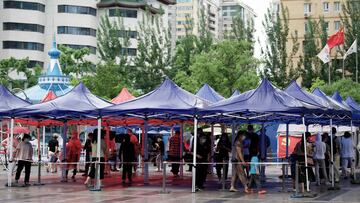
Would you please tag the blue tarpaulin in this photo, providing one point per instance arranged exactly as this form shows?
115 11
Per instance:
9 102
79 102
208 93
354 106
332 102
167 98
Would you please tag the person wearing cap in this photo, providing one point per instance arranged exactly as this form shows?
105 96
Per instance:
53 150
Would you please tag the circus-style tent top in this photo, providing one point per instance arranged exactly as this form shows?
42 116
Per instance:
53 80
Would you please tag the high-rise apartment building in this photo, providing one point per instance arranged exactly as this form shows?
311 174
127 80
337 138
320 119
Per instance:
301 10
231 9
27 27
193 9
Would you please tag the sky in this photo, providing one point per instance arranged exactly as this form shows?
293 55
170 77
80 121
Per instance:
260 7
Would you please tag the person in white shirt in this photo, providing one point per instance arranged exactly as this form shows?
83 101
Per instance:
347 154
319 159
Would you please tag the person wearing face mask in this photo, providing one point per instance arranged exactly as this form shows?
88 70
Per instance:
202 153
24 154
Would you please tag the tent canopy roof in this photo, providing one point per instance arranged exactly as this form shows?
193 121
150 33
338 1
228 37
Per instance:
297 92
332 102
235 93
123 96
167 98
265 98
78 102
208 93
9 102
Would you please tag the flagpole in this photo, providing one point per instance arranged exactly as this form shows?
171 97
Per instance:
356 62
343 68
329 72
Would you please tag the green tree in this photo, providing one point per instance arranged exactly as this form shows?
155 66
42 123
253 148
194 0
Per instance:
351 21
241 30
73 61
154 57
229 65
346 87
112 38
279 66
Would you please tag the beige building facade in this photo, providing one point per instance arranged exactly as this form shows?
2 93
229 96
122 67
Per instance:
301 10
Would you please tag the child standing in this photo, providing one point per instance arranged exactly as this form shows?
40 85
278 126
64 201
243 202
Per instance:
255 174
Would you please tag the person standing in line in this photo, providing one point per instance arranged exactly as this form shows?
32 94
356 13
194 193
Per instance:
24 154
87 149
103 153
319 159
239 162
53 150
347 154
127 155
160 150
246 152
73 152
255 175
202 153
336 152
223 148
137 147
174 152
254 138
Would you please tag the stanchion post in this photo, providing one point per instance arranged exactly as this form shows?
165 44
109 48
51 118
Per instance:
164 191
39 158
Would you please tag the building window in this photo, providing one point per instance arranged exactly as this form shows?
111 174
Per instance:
24 5
337 25
337 6
128 51
123 13
128 33
76 31
184 8
77 46
23 27
33 63
23 45
327 26
183 1
179 29
307 8
306 27
76 9
326 6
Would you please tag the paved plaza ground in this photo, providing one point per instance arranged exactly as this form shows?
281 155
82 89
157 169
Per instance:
179 191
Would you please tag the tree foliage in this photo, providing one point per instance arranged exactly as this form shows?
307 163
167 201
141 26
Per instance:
279 66
73 61
229 65
154 56
346 87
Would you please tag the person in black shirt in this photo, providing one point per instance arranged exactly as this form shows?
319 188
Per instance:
53 150
87 149
254 144
127 155
222 150
202 154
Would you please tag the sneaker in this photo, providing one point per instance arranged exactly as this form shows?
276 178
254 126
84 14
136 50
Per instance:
261 192
232 189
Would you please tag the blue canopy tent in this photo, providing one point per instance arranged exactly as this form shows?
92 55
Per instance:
355 108
8 104
78 103
208 93
235 93
265 103
168 101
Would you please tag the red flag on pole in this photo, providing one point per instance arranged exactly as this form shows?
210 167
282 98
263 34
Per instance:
336 39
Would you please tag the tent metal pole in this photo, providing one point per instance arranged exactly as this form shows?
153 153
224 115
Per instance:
146 153
233 150
98 155
43 141
287 141
332 155
1 133
212 138
10 147
287 148
194 156
306 160
64 137
181 149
